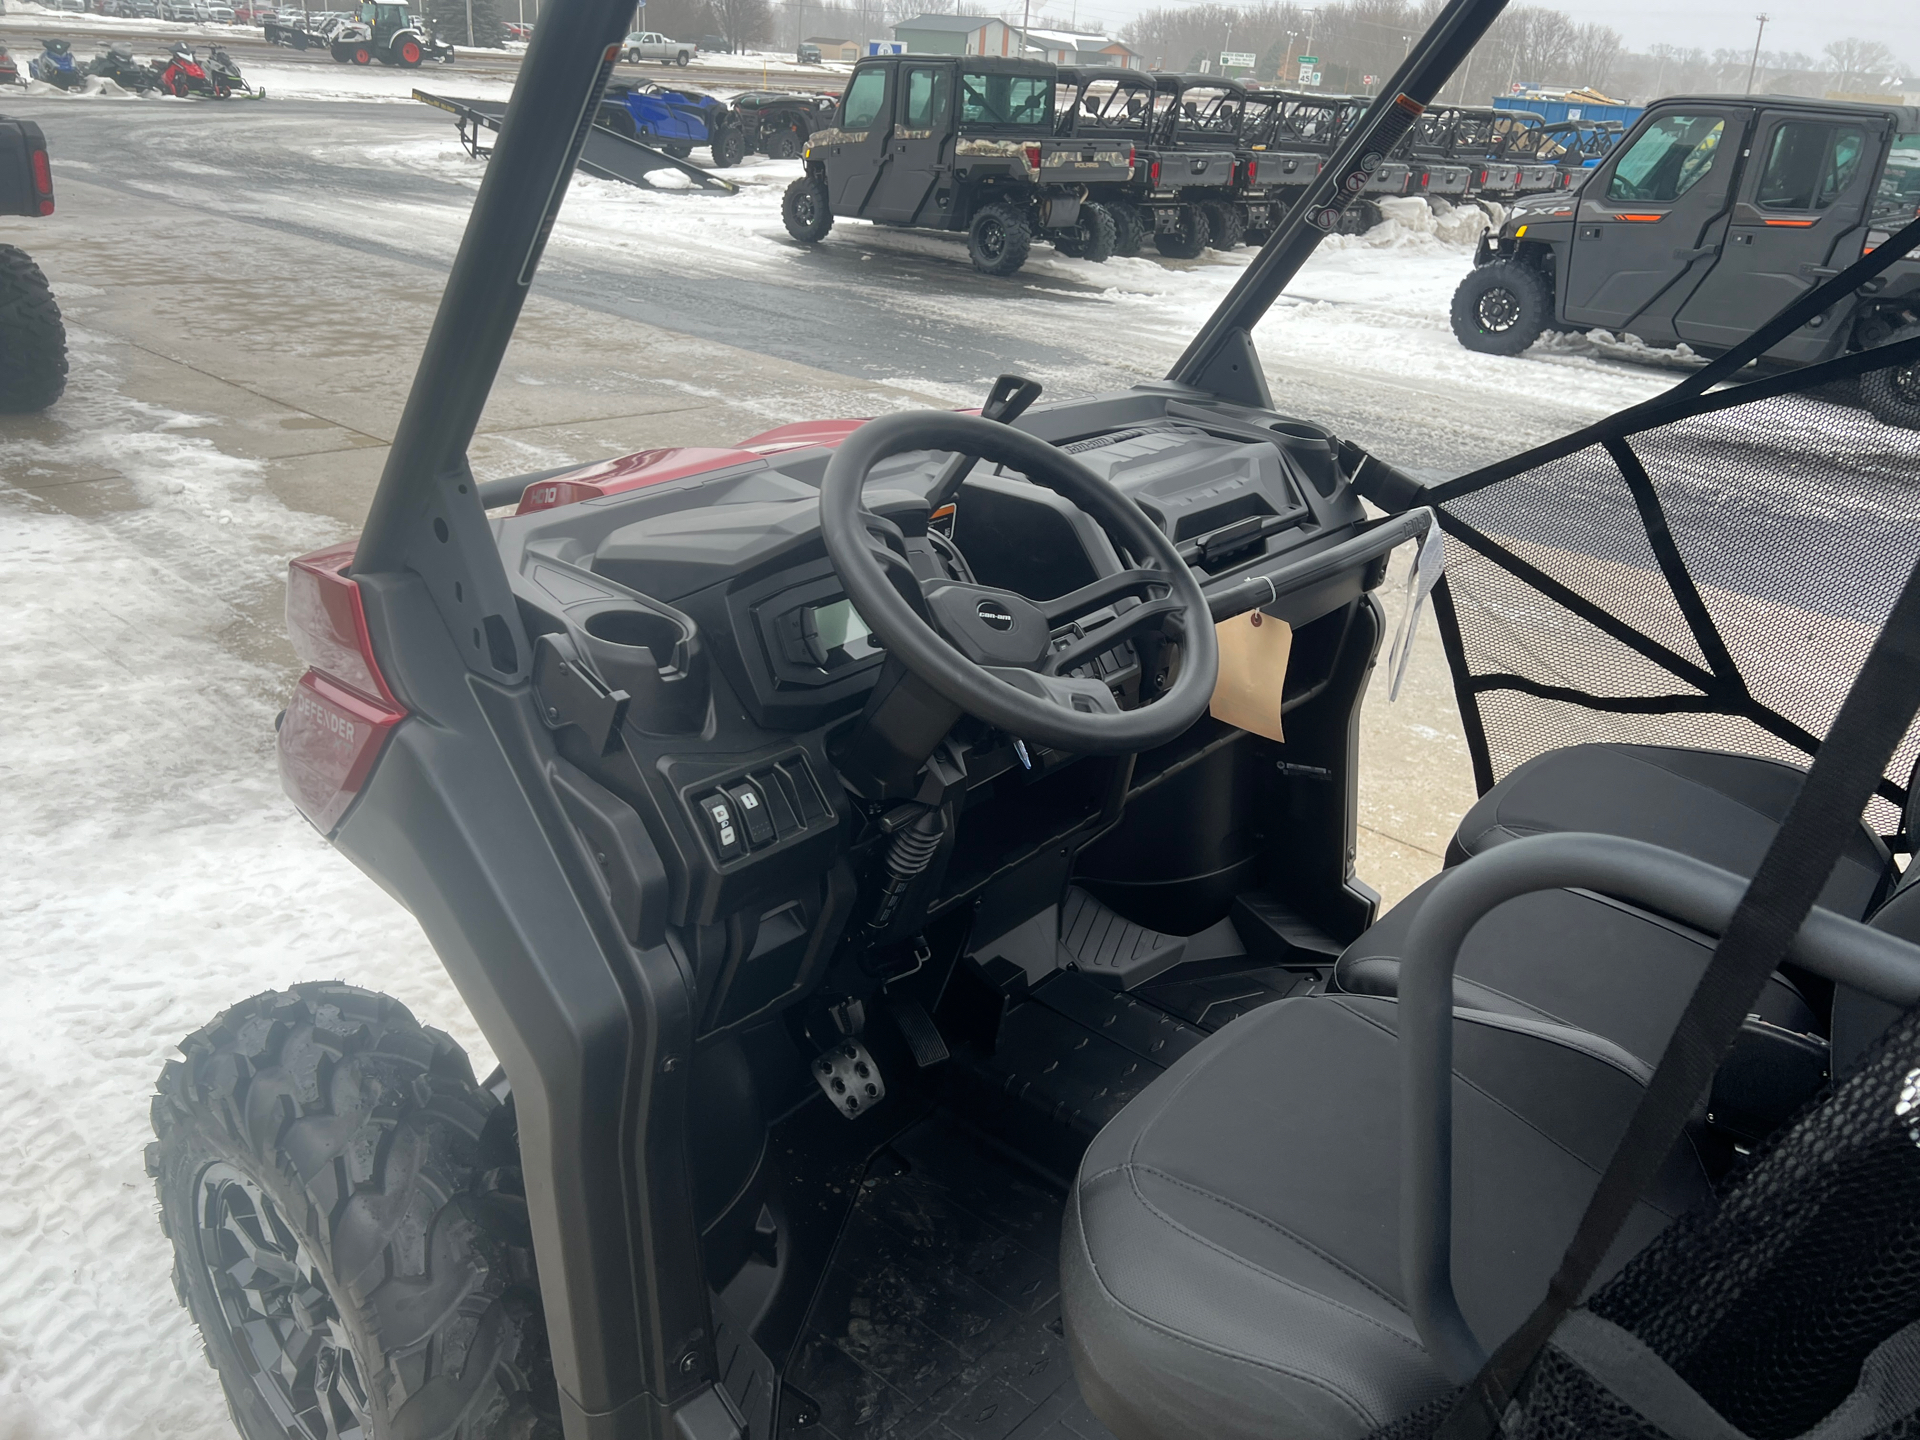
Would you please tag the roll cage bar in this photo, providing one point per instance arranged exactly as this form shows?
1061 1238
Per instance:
592 1028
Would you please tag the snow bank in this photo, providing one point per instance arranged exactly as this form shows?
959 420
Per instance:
155 875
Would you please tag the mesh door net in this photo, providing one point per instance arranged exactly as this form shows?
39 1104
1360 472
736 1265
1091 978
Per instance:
1705 569
1792 1302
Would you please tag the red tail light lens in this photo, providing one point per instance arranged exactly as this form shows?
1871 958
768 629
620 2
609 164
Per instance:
1033 156
43 181
342 710
1253 171
1153 173
1132 157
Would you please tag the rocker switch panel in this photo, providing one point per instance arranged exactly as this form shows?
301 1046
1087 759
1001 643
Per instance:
750 812
724 828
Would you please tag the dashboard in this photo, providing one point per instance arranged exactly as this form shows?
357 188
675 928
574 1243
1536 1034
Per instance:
698 656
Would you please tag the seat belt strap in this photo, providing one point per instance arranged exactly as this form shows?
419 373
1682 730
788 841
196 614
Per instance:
1848 766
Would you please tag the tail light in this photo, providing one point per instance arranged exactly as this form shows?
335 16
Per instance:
1253 171
342 710
1033 157
1132 157
1153 174
1483 177
43 181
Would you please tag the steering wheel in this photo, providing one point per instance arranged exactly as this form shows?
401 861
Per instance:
990 651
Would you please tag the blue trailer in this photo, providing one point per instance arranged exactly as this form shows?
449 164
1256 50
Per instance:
1556 110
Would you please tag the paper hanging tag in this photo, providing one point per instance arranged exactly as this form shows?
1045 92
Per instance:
1425 572
1254 650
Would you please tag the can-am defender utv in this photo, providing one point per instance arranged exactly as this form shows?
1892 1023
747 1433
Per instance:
33 339
945 143
1704 221
906 871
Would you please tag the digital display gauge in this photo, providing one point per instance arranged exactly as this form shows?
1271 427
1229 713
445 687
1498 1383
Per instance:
830 636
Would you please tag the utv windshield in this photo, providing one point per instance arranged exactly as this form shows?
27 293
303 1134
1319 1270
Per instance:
989 98
1209 113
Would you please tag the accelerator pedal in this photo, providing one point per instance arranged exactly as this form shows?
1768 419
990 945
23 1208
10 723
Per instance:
1115 951
918 1030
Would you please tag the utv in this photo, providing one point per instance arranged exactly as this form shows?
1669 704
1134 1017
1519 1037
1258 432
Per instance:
1169 177
1707 218
778 123
33 340
674 121
945 143
906 869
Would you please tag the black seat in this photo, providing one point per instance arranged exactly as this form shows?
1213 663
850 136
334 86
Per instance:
1231 1258
1715 806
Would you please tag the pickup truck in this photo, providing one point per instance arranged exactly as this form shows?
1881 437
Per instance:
652 45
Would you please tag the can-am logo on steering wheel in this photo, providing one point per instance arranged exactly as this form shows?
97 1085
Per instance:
994 615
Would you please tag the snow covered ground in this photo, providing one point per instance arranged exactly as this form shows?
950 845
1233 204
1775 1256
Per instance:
155 871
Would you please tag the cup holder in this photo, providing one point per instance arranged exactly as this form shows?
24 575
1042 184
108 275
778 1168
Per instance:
655 655
1313 449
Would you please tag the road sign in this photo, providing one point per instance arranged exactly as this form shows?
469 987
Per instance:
1246 60
1309 76
1309 60
1368 79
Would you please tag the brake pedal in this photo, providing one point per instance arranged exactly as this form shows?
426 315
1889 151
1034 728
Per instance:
850 1078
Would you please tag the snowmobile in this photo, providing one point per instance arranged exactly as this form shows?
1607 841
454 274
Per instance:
54 65
225 76
9 69
182 76
906 868
116 63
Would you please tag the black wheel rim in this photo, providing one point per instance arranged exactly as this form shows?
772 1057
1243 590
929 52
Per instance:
1498 311
805 209
276 1306
993 239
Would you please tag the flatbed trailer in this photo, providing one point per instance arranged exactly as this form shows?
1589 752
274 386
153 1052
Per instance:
606 154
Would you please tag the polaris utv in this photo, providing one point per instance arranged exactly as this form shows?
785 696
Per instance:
1099 111
1704 220
778 123
906 868
946 143
675 122
33 340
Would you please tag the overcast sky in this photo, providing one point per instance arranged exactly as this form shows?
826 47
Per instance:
1710 24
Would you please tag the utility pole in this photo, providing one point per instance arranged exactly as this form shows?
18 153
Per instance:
471 42
1026 15
1756 50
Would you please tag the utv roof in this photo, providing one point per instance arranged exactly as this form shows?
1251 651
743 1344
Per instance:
1209 82
981 64
1905 117
1090 74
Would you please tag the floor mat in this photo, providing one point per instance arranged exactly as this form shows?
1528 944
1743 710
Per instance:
940 1314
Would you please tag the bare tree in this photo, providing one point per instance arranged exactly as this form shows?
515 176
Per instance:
1856 64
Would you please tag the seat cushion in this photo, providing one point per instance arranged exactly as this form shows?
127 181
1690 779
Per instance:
1718 807
1230 1264
1570 957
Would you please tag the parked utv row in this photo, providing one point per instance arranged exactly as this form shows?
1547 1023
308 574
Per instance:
1707 219
1099 161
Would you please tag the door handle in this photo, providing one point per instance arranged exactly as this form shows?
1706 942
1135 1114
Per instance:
1695 253
1818 271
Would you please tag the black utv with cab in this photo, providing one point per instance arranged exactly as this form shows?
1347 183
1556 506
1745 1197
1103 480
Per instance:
947 143
906 869
1711 214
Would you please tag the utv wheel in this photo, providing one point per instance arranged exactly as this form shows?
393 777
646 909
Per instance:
729 147
784 143
33 341
805 211
1225 227
1188 238
678 149
1893 394
1129 228
1360 217
619 120
1092 237
1501 308
348 1227
999 239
